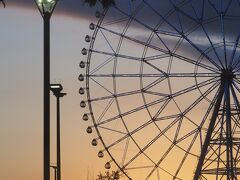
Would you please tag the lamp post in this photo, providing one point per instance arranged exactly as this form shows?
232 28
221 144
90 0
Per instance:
56 89
55 171
46 8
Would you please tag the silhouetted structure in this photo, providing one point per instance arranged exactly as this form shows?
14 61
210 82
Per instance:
177 101
46 8
56 89
108 176
105 3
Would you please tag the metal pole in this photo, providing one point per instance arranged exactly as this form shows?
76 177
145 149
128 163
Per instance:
55 172
209 132
58 140
230 166
46 108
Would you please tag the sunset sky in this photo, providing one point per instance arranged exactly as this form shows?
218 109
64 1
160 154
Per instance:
129 111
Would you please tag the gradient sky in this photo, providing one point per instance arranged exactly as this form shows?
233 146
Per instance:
21 90
21 67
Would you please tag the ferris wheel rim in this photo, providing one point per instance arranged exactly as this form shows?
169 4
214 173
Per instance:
114 76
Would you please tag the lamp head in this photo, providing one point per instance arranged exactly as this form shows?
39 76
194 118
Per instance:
56 89
46 7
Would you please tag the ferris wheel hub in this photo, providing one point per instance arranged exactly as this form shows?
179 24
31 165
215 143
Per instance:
227 75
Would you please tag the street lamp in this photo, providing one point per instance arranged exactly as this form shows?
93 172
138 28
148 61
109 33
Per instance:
46 8
56 89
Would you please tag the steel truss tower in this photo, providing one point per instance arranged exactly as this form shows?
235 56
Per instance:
220 152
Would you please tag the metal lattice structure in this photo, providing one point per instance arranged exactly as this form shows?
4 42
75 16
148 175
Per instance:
162 86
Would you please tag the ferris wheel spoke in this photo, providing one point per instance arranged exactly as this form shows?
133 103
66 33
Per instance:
236 66
191 121
195 11
236 81
129 134
206 115
163 118
237 105
187 136
116 55
207 67
171 125
154 67
125 151
184 91
154 93
139 167
213 6
108 23
165 52
178 128
149 122
196 102
154 83
101 86
112 22
162 158
236 86
213 47
141 152
223 12
130 112
202 177
106 39
160 75
156 57
129 93
100 66
204 30
154 117
184 36
197 86
231 63
105 110
224 39
227 7
172 34
164 44
187 153
113 130
158 175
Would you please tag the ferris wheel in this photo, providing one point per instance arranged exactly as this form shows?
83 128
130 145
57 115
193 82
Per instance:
162 86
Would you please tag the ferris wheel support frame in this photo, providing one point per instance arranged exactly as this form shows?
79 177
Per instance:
224 92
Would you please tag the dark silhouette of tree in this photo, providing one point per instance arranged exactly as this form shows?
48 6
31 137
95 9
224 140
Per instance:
105 3
114 175
2 1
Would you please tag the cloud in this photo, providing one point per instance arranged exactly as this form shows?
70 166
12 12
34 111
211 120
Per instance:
172 16
204 28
